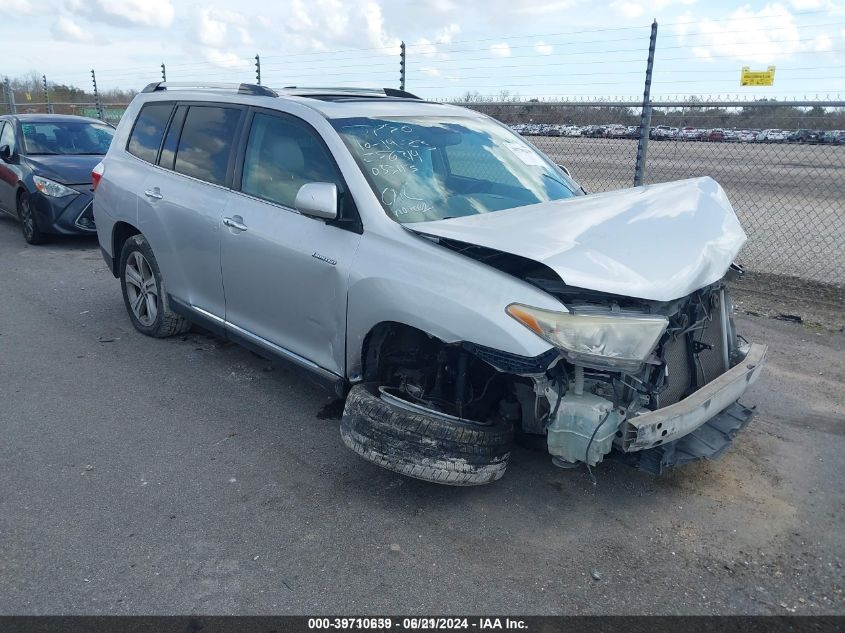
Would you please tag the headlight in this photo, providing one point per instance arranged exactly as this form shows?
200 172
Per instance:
52 189
598 339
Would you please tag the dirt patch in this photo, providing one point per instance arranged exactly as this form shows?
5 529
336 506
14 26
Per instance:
816 305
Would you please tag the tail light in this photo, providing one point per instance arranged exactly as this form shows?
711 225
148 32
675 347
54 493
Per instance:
97 174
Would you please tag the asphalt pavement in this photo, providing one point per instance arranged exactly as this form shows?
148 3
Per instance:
187 475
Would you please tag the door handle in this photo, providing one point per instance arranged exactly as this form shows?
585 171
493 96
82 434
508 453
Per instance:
235 224
153 193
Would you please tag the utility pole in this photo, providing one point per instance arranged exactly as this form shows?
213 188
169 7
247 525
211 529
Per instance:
258 69
46 94
163 72
100 113
402 66
645 118
10 96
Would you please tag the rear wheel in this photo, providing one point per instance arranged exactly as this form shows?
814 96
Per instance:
29 225
409 439
144 293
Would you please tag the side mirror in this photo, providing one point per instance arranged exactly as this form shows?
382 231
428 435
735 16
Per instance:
565 170
5 152
318 200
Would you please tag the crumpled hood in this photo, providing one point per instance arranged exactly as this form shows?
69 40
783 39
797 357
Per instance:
67 169
658 242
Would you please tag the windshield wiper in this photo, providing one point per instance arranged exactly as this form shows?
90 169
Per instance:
560 182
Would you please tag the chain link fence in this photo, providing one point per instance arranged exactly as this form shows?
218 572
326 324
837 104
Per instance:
781 164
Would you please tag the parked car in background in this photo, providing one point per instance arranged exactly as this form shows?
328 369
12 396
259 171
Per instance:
661 133
715 135
594 131
45 172
689 133
442 292
776 136
731 136
803 136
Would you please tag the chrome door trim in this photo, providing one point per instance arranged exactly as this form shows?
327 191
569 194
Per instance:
207 314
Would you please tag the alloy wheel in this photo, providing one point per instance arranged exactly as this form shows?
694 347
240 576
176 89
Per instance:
27 221
141 288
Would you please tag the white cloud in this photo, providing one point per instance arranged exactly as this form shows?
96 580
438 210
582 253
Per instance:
221 29
429 72
749 36
544 49
633 9
66 30
502 49
224 59
545 7
628 9
445 35
806 5
326 24
18 7
158 13
424 47
822 43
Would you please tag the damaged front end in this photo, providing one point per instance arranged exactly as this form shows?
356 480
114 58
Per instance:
663 398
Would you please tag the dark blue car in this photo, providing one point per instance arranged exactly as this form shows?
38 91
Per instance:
45 172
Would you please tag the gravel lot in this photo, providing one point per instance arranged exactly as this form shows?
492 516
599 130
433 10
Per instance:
789 197
188 475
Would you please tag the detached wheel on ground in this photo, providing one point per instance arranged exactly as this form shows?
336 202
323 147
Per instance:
143 291
29 224
424 445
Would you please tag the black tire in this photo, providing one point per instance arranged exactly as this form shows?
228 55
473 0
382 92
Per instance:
32 233
424 446
156 318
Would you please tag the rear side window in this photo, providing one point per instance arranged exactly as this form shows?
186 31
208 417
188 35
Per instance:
168 149
149 130
205 145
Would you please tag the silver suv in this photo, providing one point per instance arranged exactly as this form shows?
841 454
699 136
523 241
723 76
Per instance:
425 262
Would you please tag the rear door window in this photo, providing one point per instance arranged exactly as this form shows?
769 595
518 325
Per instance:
146 136
205 146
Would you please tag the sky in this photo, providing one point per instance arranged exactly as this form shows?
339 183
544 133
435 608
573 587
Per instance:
529 48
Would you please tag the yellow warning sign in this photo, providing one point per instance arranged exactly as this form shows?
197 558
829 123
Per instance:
750 77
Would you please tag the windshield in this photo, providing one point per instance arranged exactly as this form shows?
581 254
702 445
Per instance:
428 168
66 137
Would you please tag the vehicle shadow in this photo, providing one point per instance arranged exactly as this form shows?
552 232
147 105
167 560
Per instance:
12 228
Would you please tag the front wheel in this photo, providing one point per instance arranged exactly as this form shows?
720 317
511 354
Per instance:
423 444
143 291
29 224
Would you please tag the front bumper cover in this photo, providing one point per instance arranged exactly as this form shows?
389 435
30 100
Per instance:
655 428
69 215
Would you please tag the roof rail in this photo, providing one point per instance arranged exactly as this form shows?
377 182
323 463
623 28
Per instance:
243 89
311 91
